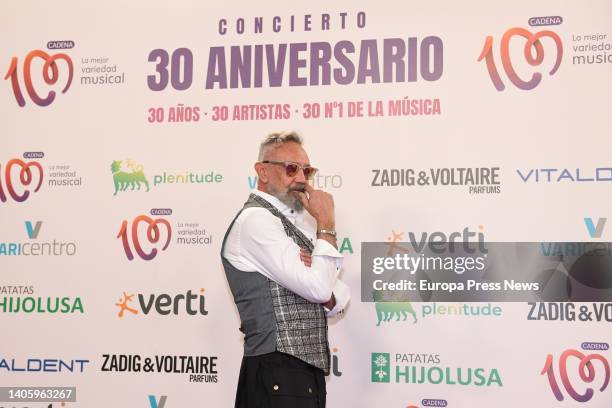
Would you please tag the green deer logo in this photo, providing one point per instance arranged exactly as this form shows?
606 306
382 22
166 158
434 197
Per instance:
123 180
385 311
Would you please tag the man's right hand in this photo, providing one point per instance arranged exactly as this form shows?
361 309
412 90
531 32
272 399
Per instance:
320 205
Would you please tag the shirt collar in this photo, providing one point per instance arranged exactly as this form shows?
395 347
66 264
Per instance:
288 212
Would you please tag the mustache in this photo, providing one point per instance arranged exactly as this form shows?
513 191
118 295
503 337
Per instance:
297 187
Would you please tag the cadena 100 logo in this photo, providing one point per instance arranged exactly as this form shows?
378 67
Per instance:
153 234
586 372
532 45
25 178
50 74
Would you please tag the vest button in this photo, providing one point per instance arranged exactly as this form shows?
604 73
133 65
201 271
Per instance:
275 387
310 390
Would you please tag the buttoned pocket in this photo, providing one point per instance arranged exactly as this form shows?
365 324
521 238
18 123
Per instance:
290 387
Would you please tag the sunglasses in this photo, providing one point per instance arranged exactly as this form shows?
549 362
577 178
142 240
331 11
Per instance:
292 168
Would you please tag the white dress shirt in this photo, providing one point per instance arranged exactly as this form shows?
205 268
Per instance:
258 243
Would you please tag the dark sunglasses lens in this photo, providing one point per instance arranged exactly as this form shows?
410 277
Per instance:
309 172
291 169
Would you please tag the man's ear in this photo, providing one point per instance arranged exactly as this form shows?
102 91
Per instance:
262 173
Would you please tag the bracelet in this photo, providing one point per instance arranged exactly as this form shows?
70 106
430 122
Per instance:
328 232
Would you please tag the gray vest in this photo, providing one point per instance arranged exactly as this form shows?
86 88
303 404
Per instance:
274 318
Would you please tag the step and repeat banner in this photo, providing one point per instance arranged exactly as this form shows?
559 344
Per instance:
128 136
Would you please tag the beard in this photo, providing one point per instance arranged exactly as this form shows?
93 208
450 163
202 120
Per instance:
289 197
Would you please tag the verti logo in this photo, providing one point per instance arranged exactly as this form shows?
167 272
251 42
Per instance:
163 304
595 230
152 235
23 176
128 179
533 54
50 74
587 373
381 367
155 403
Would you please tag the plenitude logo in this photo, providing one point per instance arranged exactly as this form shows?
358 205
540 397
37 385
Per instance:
50 73
201 369
427 368
533 54
129 176
22 299
36 248
588 373
190 304
399 311
145 232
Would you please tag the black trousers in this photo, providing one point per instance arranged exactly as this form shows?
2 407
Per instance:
278 380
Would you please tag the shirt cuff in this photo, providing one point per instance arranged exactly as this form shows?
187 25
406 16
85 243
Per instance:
324 248
342 293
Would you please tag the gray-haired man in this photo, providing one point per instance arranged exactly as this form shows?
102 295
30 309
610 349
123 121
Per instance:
283 273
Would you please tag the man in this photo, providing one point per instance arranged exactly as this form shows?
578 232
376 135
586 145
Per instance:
283 274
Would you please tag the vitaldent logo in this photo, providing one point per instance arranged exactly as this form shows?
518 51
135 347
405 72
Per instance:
424 368
46 365
533 53
152 234
586 363
19 178
24 301
595 230
201 369
50 73
191 304
129 176
45 248
478 180
565 175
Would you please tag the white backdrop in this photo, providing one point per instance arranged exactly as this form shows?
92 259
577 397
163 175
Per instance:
562 123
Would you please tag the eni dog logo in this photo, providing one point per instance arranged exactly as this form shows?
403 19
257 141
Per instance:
23 175
152 235
533 53
132 178
50 74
